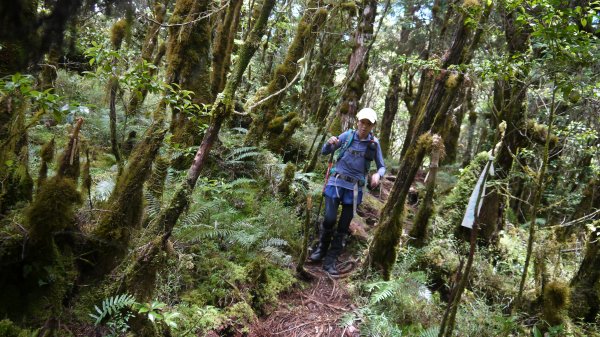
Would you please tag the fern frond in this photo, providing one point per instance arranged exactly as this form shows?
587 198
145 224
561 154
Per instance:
111 306
153 205
273 242
239 154
217 233
246 239
241 181
277 255
431 332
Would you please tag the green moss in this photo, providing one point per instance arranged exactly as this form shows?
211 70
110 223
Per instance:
241 313
9 329
453 78
290 116
284 73
276 125
454 205
46 154
52 210
336 126
556 301
267 282
288 177
117 33
350 7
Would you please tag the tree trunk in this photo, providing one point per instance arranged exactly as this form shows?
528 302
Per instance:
26 35
468 153
509 103
138 95
382 251
452 128
418 232
188 55
142 274
311 21
389 111
17 184
358 64
223 46
584 295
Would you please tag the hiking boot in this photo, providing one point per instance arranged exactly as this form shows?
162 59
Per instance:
337 245
321 251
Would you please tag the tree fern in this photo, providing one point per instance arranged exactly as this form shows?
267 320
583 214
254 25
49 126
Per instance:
111 306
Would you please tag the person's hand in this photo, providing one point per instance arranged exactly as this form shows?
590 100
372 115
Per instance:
375 180
333 140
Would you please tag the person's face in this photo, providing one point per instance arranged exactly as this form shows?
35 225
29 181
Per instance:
364 127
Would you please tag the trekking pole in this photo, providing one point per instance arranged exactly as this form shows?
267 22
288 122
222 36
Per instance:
329 165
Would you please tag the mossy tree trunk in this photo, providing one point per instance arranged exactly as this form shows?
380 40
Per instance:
358 64
453 126
26 35
382 250
390 109
509 103
17 184
318 96
149 48
141 274
188 55
285 73
118 32
540 186
468 153
223 46
126 202
584 286
418 232
47 254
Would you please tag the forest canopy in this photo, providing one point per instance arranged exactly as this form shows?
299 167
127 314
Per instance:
161 170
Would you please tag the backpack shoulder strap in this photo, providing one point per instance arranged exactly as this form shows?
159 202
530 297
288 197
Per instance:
346 144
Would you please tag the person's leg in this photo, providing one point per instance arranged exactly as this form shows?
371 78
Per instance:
331 206
339 239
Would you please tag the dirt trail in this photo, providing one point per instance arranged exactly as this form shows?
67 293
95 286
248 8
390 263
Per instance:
317 309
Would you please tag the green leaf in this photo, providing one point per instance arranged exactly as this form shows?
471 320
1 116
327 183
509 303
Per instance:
583 22
9 162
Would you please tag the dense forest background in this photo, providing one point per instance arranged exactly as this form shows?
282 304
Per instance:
160 171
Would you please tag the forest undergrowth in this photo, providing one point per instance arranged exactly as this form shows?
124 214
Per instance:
161 176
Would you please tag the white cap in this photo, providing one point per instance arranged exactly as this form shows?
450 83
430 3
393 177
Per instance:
367 113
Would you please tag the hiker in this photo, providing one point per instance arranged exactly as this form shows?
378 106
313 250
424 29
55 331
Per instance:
358 148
